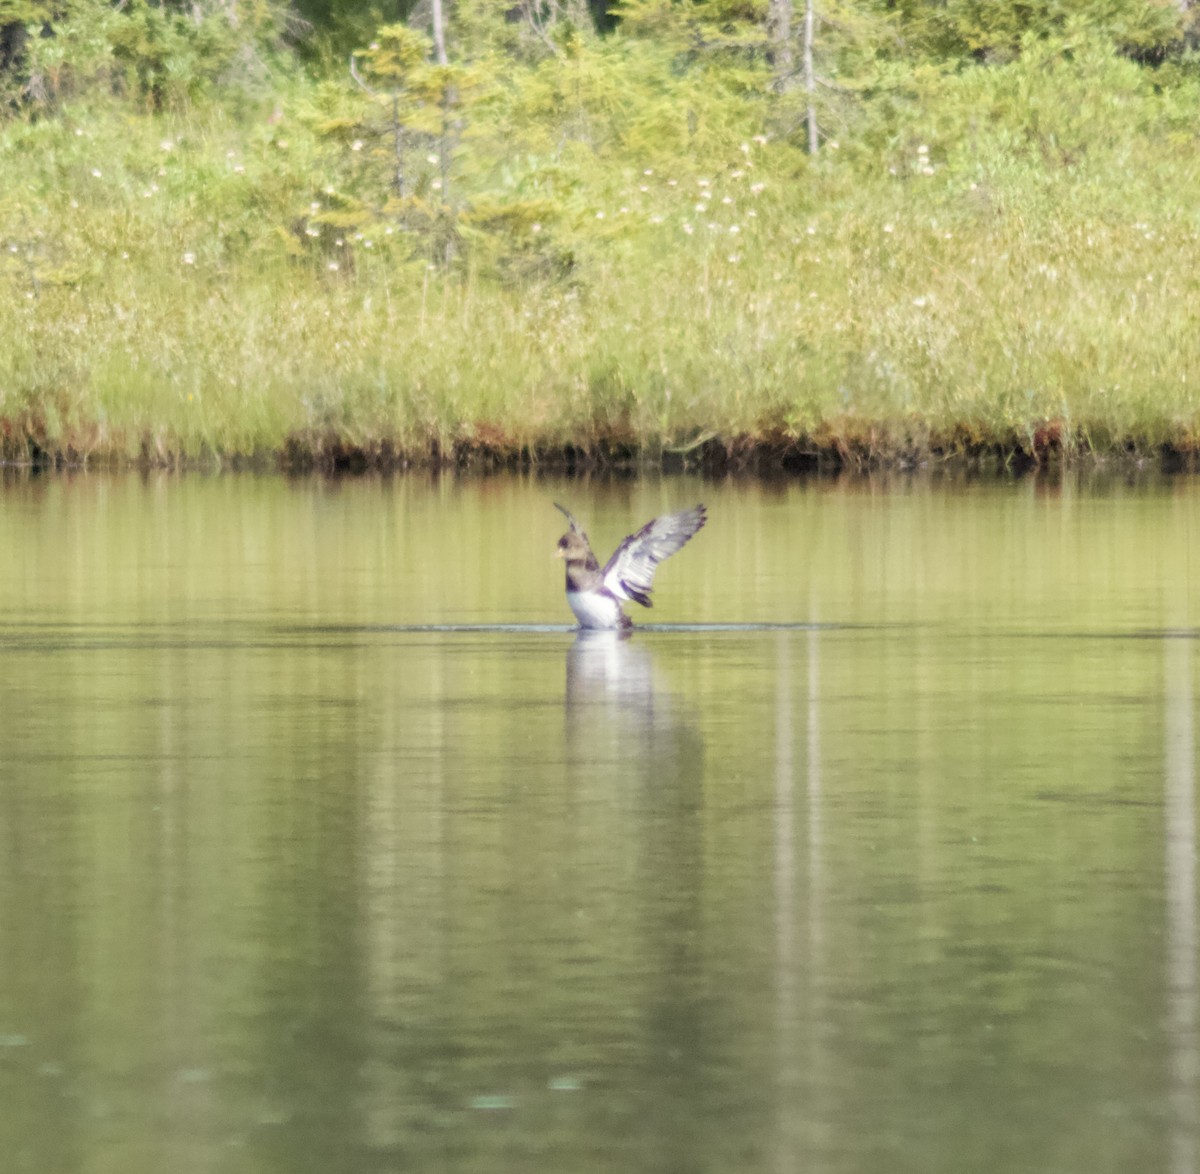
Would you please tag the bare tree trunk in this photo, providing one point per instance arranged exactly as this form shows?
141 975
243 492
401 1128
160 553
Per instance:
397 146
439 32
779 32
448 101
810 78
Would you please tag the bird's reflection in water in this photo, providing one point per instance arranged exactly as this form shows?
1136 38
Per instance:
636 768
615 708
607 667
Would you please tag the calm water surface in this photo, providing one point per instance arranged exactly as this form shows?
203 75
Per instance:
325 846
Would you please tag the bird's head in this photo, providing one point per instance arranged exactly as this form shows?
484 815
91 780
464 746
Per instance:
573 547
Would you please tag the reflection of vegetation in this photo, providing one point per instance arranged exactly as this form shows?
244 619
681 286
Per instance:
275 870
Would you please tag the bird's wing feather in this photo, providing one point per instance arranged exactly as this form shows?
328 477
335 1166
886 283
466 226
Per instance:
576 528
630 572
570 518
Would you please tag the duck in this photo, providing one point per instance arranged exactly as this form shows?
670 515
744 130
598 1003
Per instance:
597 594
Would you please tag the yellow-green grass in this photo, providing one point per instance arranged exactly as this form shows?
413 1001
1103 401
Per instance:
163 301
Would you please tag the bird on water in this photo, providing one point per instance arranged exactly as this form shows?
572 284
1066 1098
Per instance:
594 593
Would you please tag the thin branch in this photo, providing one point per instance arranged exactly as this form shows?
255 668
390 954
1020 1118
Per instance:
355 75
541 32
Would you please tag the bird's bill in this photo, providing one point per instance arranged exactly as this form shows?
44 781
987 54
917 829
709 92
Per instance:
557 553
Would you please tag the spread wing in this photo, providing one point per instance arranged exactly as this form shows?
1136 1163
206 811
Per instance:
630 571
575 526
562 509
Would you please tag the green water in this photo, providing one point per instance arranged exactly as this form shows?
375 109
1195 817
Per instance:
291 880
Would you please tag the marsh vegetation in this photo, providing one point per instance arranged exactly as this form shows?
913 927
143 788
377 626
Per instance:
550 233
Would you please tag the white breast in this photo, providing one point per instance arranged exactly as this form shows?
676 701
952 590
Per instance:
594 609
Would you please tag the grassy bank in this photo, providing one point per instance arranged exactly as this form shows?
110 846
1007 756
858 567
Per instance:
1001 262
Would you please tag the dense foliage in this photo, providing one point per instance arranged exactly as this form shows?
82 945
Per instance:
238 228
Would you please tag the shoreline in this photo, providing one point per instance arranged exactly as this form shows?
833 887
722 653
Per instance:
867 449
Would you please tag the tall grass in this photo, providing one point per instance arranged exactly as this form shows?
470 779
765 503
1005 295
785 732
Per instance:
993 265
